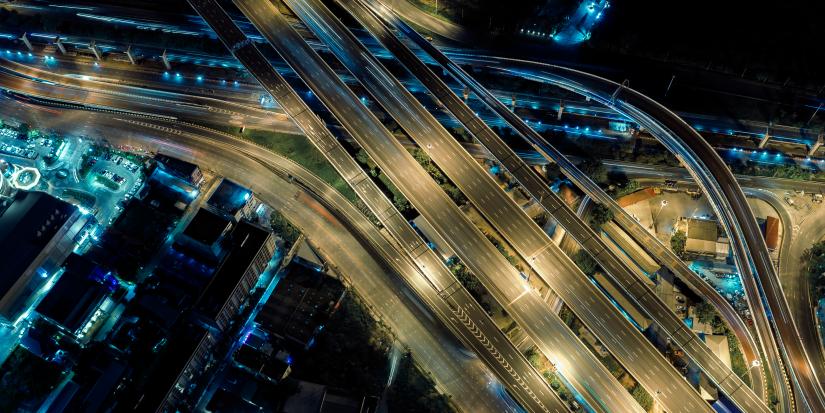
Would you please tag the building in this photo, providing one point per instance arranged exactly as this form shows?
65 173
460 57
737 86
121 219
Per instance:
89 390
80 296
37 233
703 240
636 197
302 302
186 171
250 247
233 199
771 232
205 234
168 387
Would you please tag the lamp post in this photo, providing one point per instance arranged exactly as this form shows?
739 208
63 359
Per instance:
662 205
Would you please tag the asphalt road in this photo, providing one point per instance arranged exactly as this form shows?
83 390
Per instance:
501 212
484 323
451 302
456 370
634 287
798 235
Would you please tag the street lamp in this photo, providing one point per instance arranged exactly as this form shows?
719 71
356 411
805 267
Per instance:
661 206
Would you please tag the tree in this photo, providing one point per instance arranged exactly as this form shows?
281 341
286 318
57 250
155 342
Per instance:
23 130
643 397
284 228
585 262
364 159
599 216
705 312
678 242
595 169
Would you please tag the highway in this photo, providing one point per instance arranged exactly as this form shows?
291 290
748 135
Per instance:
351 244
505 284
634 286
776 325
583 297
54 92
796 239
547 150
452 303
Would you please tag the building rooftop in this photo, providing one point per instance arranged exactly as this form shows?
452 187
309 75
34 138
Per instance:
702 229
27 223
174 359
302 302
176 166
207 226
230 197
636 197
245 242
771 232
78 292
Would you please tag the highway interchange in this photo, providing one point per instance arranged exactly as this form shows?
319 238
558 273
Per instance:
472 247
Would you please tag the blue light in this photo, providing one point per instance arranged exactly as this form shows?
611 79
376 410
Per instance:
177 74
30 55
166 74
199 78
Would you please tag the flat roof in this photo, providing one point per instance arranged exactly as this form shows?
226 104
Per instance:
207 226
229 197
76 294
246 241
176 166
771 232
27 223
174 358
301 302
702 229
638 196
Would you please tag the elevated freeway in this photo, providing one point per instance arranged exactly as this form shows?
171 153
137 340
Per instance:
451 303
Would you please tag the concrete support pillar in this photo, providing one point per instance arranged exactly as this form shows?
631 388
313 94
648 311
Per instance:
25 39
466 93
513 103
561 110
